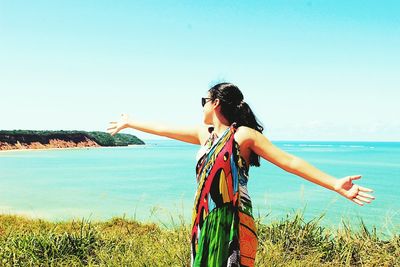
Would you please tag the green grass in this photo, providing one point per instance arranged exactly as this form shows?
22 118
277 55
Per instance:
291 241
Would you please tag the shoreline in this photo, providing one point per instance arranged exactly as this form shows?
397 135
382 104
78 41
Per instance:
169 223
61 148
43 139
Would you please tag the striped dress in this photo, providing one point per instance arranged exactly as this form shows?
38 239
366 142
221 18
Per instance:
223 231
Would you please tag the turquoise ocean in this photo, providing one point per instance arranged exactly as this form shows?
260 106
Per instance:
156 182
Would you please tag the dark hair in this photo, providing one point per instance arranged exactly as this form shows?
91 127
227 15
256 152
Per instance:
234 109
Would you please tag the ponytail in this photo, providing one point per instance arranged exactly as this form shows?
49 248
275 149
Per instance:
234 109
246 117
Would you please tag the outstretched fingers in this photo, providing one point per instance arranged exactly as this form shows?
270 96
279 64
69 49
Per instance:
355 177
364 189
355 200
113 126
363 199
366 195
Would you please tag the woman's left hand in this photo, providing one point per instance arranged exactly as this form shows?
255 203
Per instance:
353 192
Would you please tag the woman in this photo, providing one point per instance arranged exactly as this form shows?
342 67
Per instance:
223 232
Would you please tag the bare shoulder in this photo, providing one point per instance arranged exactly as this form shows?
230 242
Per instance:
245 134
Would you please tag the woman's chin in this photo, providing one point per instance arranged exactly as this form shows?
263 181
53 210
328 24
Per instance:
206 122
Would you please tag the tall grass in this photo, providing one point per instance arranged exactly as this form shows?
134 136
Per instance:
290 241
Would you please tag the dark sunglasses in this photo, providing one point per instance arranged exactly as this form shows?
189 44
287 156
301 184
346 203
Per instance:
204 100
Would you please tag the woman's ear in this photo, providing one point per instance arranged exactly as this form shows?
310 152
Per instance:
216 103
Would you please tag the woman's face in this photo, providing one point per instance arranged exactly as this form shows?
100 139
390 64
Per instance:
208 110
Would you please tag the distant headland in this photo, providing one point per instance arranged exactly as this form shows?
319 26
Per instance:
32 139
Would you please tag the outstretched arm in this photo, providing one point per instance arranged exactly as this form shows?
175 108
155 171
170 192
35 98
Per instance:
193 135
344 186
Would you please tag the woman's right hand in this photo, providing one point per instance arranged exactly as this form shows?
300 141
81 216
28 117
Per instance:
115 127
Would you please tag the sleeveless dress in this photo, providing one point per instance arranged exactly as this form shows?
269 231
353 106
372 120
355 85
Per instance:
223 231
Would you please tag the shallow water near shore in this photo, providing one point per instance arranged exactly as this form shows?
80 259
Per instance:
156 181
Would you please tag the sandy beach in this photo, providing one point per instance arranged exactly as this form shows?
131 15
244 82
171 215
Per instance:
65 148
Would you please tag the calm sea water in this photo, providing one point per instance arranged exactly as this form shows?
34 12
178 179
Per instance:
156 182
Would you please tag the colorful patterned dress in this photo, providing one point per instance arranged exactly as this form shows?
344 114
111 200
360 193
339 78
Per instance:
223 228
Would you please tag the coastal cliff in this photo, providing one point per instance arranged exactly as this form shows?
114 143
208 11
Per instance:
28 139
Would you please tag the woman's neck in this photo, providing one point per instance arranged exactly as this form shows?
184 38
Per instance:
219 129
220 124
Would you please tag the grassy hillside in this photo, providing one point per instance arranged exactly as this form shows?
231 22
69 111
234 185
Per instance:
122 242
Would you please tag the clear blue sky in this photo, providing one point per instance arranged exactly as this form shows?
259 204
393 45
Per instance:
311 70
